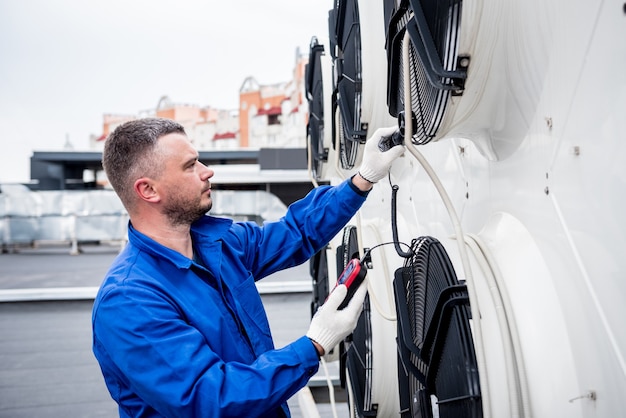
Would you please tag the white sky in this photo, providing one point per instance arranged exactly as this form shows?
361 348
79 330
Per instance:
65 63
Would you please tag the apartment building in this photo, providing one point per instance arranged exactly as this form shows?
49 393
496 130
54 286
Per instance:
269 116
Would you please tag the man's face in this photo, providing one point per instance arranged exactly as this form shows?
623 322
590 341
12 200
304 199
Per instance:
184 184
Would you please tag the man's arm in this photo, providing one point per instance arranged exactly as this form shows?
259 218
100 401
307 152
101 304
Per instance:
362 184
313 221
158 356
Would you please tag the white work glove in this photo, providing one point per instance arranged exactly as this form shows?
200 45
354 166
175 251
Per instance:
376 163
329 326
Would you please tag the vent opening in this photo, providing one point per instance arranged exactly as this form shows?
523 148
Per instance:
315 96
345 35
435 71
436 351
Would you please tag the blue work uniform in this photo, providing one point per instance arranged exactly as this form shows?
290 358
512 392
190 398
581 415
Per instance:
177 337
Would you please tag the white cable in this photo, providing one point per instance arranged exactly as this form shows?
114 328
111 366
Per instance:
351 406
329 382
331 388
310 164
478 341
373 295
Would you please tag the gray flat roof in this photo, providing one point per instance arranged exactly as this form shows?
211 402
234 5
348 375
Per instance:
95 157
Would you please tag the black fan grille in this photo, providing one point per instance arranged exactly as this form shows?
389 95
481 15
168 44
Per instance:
348 149
315 97
458 399
360 362
318 269
428 101
359 358
440 350
345 30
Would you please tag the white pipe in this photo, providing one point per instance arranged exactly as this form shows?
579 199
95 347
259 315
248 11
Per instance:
478 341
310 164
331 388
373 295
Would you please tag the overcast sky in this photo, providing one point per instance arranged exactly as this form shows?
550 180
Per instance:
65 63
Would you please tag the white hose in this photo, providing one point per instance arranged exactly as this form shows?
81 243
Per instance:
331 388
310 164
478 341
373 296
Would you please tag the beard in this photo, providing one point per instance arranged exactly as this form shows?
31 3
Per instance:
182 211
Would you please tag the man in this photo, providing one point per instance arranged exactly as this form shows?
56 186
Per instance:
179 329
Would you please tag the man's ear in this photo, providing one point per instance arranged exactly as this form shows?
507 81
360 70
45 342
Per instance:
146 190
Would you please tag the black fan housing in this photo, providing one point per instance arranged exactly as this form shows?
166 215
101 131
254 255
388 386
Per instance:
435 71
435 343
345 35
314 87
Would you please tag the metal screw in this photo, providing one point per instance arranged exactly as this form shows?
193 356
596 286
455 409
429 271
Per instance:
591 395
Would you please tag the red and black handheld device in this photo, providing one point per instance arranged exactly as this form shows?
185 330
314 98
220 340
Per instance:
352 276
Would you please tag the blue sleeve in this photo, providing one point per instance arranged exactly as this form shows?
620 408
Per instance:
306 228
168 363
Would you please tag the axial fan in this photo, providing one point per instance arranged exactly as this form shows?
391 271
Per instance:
357 358
315 96
435 342
435 72
348 149
318 269
345 36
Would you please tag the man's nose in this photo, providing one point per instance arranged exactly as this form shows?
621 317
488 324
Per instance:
206 172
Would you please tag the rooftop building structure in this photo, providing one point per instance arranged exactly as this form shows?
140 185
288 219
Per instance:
269 115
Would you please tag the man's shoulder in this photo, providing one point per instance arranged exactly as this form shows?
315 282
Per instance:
130 268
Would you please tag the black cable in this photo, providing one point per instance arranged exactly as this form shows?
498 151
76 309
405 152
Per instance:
396 243
394 223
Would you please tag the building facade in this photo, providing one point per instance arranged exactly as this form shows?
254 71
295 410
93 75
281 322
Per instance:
269 116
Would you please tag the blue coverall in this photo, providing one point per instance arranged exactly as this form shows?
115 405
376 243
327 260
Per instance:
179 338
